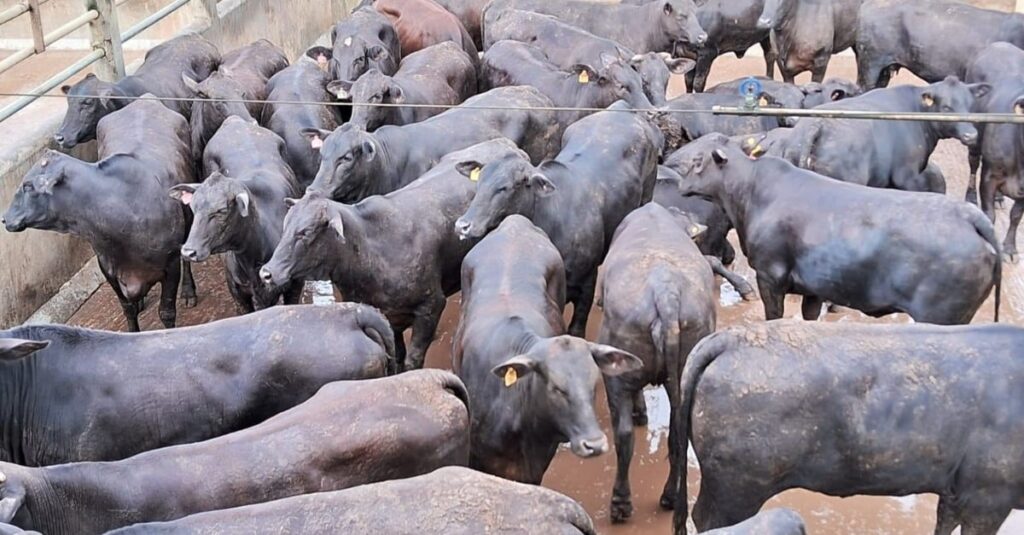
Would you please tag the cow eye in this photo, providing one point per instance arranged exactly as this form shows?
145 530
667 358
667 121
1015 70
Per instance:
502 189
346 158
27 188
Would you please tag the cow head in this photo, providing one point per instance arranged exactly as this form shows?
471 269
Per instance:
831 90
679 22
88 102
220 206
560 375
349 160
222 95
507 186
656 69
12 496
353 56
953 96
313 229
34 204
620 78
371 88
15 348
703 164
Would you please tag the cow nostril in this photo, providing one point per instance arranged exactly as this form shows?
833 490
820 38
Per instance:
702 38
266 276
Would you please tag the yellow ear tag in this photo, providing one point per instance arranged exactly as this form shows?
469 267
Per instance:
511 377
763 102
474 176
584 77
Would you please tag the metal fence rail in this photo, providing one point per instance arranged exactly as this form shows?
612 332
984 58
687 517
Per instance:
106 38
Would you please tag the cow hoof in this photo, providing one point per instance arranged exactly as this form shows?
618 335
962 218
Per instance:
1010 257
621 512
748 294
667 502
639 419
189 301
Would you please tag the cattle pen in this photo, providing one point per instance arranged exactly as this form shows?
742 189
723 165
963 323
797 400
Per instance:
55 278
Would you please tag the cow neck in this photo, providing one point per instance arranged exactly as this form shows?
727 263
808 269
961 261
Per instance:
130 86
386 174
253 239
97 195
45 501
656 39
736 194
350 257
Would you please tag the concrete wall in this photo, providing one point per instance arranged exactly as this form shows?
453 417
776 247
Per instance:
34 264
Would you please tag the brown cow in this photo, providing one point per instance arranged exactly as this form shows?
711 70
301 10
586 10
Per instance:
421 23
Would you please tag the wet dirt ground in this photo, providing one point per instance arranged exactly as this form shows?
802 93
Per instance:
589 481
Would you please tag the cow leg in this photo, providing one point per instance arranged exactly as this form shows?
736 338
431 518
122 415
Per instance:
293 295
675 400
770 57
131 309
243 299
738 282
1010 243
188 285
719 505
620 404
819 68
639 409
988 193
974 161
705 58
399 346
983 522
424 327
773 297
581 306
811 308
169 293
947 516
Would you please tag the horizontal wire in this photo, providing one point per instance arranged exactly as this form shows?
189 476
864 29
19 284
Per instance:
1005 118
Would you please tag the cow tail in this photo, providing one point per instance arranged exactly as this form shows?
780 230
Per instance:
987 231
665 331
374 325
703 354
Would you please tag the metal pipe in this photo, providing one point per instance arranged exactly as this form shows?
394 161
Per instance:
156 17
49 84
13 12
48 39
1004 118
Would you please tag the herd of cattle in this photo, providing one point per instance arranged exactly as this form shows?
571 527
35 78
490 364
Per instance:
507 149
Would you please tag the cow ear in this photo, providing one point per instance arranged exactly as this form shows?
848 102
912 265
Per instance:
377 53
838 94
927 99
980 90
613 361
338 225
242 200
321 55
514 369
65 89
668 9
183 193
696 229
584 73
289 202
718 155
607 59
369 151
340 89
50 182
316 137
14 348
470 169
767 100
190 83
396 94
680 65
544 185
11 500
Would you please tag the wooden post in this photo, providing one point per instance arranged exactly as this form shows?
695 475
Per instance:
37 26
106 35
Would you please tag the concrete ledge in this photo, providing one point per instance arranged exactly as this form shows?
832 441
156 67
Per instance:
71 295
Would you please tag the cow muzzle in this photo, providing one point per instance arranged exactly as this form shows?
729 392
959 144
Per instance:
463 228
969 138
590 447
702 38
192 255
266 276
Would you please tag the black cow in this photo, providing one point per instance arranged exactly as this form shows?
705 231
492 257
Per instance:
714 240
696 125
239 210
398 252
731 27
103 396
305 81
857 247
243 75
448 500
512 63
363 41
879 153
470 14
343 436
607 168
659 301
511 350
999 149
846 408
120 205
160 74
932 39
780 521
656 26
439 74
357 164
797 97
806 33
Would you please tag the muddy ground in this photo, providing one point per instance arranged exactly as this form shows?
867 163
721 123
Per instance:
589 481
